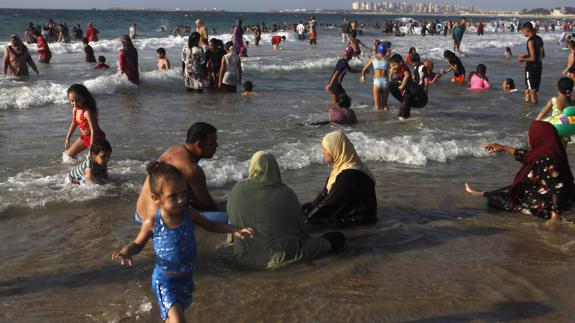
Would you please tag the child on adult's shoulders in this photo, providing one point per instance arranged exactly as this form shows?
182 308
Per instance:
94 168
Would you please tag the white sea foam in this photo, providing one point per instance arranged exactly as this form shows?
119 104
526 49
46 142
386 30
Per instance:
33 189
36 94
294 65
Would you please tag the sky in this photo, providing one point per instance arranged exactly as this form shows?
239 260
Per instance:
259 5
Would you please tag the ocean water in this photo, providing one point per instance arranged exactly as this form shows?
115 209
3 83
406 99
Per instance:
435 255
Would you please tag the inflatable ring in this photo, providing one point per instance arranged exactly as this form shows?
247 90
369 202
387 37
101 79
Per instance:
564 123
439 27
418 95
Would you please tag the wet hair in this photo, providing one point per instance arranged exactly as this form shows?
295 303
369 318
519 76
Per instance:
85 40
89 101
571 44
100 145
412 50
101 59
481 69
344 101
448 54
565 86
508 49
199 131
511 83
228 45
396 58
415 58
161 51
283 37
248 86
161 171
194 39
528 26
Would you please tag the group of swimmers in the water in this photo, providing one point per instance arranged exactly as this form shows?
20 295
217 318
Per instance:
264 216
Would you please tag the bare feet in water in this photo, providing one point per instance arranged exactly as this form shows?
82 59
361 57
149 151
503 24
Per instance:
471 191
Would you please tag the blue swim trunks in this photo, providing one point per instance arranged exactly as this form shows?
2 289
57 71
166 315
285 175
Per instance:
171 290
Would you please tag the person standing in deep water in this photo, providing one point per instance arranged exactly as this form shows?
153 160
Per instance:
17 58
43 48
238 36
544 185
533 63
128 60
349 194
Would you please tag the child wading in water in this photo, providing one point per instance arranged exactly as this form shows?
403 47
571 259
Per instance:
508 85
85 116
172 231
478 80
101 64
380 76
95 167
248 89
456 66
559 102
163 61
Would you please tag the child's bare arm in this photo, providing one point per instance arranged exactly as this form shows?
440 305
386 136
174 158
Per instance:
168 64
69 134
545 110
331 80
88 174
222 71
366 68
218 227
405 80
134 248
90 119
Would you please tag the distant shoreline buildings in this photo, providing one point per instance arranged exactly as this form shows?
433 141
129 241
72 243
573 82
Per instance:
404 7
430 8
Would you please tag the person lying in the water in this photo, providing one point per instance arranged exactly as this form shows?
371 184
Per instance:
544 185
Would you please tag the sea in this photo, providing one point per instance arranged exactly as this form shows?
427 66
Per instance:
435 255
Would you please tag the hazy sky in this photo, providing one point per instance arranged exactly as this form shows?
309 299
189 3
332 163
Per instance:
259 5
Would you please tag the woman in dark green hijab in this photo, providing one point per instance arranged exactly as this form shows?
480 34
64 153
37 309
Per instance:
273 210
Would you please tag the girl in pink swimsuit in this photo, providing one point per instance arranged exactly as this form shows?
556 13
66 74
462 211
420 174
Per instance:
478 80
85 117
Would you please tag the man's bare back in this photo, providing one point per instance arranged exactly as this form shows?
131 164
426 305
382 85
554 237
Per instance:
185 158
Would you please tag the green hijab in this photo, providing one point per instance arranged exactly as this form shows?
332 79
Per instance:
273 210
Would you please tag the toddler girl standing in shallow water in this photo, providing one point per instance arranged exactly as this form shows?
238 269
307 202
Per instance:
172 231
85 116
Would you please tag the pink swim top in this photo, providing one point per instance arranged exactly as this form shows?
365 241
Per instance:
478 83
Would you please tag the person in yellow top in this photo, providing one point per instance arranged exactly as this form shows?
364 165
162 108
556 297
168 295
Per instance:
201 28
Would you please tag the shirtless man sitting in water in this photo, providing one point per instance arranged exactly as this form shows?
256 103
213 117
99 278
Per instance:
201 142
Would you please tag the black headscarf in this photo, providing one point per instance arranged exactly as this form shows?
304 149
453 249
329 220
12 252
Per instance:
130 52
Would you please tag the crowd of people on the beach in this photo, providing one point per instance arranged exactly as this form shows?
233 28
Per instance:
264 217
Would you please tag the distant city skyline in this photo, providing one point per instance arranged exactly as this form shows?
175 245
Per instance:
258 5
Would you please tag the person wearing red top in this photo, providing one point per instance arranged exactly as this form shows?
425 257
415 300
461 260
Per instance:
276 41
92 33
84 116
43 49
